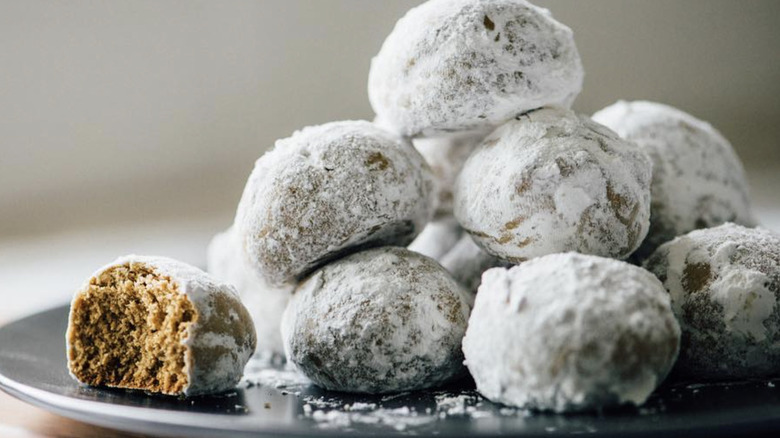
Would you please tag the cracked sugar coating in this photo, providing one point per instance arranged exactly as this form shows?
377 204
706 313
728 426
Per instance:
329 190
437 238
466 261
266 303
725 288
570 332
552 181
445 156
159 325
455 65
379 321
698 180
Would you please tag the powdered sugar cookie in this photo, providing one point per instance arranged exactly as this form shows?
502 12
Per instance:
466 261
329 190
378 321
570 332
698 180
455 65
725 288
158 325
446 155
552 181
437 238
266 303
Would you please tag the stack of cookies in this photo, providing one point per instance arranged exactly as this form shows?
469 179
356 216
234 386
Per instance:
478 225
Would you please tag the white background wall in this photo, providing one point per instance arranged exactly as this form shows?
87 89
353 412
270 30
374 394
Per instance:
120 111
130 126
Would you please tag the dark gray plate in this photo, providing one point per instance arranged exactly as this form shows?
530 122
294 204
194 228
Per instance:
32 368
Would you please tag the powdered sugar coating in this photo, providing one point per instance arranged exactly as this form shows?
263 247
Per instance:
466 261
437 238
455 65
446 155
264 302
378 321
552 181
328 190
724 283
698 180
570 332
222 338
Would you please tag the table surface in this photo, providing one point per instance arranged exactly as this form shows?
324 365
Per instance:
20 420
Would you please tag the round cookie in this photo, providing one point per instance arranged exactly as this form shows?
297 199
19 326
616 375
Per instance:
724 283
158 325
466 261
698 180
329 190
378 321
437 238
264 302
446 155
552 181
457 65
570 332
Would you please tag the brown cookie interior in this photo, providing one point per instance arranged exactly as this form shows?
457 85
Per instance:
127 328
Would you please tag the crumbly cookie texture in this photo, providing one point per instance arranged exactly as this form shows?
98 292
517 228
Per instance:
570 332
378 321
437 238
446 155
466 261
724 283
266 303
552 181
459 65
159 325
698 180
330 190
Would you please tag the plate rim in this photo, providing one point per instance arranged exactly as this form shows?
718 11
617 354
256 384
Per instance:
136 419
